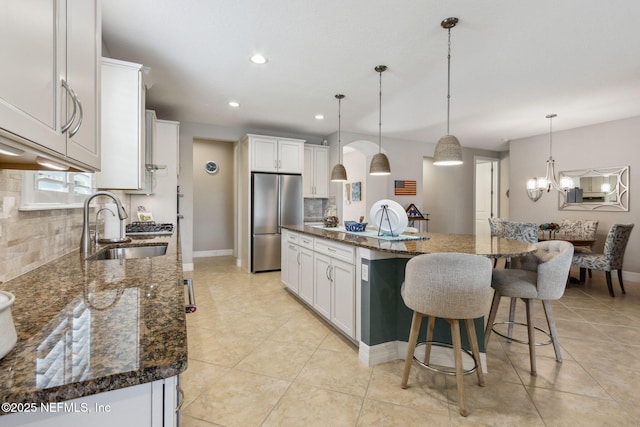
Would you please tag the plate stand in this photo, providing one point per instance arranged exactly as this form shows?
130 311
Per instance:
385 213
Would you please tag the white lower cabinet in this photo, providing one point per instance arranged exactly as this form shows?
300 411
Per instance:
322 285
305 286
322 273
149 404
291 267
343 297
335 295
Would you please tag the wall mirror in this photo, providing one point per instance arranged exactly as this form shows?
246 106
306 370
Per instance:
604 189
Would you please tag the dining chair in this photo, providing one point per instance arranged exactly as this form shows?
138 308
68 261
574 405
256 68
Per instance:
539 276
453 287
514 230
612 257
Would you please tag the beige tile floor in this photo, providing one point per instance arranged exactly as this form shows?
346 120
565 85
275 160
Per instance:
258 357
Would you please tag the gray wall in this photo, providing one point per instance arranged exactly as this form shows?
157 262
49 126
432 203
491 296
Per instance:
213 198
449 192
188 132
603 145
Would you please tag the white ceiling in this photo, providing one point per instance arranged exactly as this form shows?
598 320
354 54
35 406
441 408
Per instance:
512 63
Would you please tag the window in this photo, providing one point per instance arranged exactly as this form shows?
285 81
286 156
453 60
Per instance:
55 190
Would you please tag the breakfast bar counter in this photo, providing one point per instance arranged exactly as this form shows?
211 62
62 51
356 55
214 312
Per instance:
93 326
425 243
354 280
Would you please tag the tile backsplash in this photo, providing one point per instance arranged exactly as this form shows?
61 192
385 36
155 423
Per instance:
314 209
31 238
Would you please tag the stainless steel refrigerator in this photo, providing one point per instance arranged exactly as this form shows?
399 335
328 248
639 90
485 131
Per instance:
276 200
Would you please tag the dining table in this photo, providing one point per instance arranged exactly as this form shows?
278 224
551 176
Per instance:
574 239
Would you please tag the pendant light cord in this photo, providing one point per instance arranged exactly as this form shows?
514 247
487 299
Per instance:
551 116
380 117
339 126
448 80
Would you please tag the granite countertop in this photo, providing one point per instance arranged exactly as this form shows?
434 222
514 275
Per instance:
86 327
492 247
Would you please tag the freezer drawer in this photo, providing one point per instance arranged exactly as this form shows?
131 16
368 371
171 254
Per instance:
266 252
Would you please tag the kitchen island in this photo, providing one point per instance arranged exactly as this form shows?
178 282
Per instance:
107 338
354 281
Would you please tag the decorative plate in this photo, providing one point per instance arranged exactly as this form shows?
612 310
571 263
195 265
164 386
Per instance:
397 217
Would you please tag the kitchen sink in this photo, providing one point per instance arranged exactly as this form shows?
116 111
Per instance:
130 252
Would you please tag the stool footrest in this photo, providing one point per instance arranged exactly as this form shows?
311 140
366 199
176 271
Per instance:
441 368
518 340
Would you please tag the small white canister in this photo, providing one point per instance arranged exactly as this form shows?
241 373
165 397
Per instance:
8 336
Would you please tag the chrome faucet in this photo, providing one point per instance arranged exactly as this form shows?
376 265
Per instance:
85 241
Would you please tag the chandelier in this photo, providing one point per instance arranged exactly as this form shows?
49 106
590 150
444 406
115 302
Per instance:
537 186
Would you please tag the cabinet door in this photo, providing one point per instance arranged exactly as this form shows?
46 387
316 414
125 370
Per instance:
290 156
322 284
83 76
291 267
33 64
343 297
305 284
321 171
122 130
307 176
264 154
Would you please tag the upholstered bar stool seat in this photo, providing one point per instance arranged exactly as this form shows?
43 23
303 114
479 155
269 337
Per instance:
453 287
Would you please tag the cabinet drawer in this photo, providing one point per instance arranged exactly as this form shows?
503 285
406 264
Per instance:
292 237
306 241
335 250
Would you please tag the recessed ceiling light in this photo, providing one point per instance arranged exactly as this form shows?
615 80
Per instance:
234 104
319 117
258 59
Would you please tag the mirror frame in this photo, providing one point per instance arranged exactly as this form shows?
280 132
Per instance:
621 190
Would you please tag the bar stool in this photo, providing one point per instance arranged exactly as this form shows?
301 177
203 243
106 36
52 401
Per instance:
541 276
453 287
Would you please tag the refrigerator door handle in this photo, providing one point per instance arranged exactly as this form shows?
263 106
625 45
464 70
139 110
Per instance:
278 192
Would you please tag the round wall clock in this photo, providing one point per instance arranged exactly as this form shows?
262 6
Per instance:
211 167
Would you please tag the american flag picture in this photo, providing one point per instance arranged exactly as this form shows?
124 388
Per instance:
405 188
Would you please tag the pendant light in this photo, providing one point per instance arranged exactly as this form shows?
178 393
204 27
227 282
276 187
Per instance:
536 187
448 151
380 162
339 173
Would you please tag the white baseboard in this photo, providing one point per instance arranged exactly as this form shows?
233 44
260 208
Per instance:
220 252
394 350
187 266
378 354
631 276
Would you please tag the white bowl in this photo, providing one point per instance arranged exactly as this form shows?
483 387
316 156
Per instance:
8 336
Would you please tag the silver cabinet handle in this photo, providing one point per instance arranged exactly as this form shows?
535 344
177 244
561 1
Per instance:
298 258
180 398
331 250
67 125
191 307
326 273
75 130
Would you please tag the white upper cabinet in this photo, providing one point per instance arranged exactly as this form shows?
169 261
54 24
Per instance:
49 97
123 126
272 154
316 174
83 77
